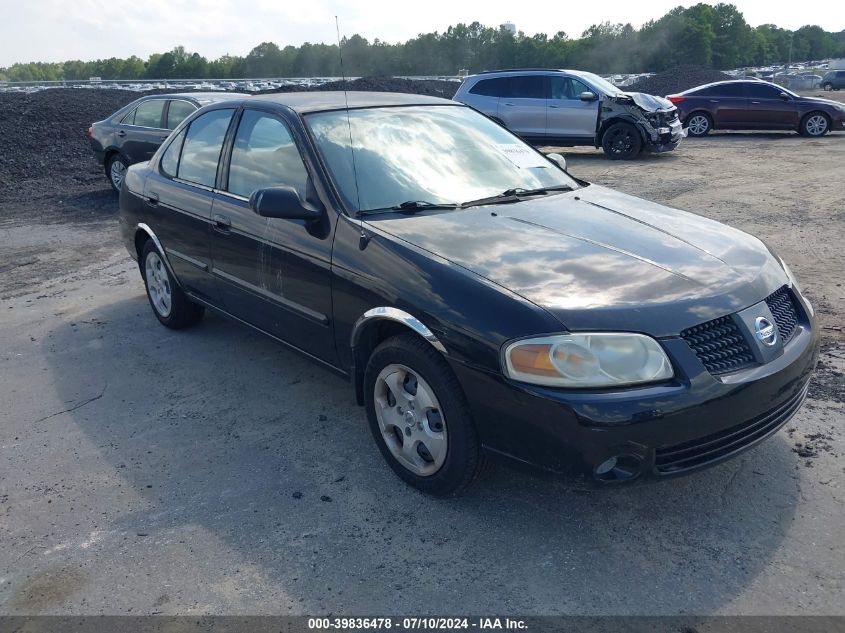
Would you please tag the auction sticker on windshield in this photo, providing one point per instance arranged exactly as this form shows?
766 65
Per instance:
522 156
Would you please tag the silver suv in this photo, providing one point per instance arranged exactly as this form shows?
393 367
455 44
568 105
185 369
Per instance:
572 107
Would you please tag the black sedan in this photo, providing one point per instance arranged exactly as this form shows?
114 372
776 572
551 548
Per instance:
134 133
755 105
481 301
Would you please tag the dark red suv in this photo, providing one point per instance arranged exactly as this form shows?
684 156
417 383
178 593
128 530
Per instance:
755 105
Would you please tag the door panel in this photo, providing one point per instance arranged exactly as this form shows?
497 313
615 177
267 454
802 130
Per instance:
140 134
272 273
567 115
523 108
768 110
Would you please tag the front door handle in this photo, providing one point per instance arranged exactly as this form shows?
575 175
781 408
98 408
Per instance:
551 106
508 104
222 223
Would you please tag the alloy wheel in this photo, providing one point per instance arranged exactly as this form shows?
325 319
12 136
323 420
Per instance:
698 124
816 125
410 420
117 172
158 284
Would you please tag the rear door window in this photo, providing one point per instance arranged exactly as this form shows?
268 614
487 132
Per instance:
490 87
264 155
178 112
148 113
728 90
528 87
202 147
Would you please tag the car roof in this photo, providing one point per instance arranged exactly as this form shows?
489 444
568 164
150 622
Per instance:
200 97
517 71
731 81
305 102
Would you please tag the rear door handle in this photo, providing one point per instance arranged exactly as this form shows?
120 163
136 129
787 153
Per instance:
152 199
222 223
122 133
756 102
714 101
551 106
508 104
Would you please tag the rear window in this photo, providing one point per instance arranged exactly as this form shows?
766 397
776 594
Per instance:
490 87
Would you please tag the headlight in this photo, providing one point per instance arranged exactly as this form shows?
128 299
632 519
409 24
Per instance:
587 360
789 274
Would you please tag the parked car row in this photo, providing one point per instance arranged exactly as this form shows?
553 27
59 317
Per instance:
482 302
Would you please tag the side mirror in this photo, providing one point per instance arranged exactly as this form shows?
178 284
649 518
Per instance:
588 96
784 96
282 202
558 160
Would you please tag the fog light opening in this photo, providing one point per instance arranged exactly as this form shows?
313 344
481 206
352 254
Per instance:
619 468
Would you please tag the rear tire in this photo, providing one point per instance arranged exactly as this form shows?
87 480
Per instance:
621 141
170 305
815 124
116 167
423 426
699 124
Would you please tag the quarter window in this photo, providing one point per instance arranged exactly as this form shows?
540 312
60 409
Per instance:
169 164
264 155
148 113
202 146
728 90
178 112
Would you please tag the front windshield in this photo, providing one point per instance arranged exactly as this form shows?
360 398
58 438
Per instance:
430 154
602 84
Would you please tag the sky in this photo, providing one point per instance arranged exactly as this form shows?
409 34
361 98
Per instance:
58 30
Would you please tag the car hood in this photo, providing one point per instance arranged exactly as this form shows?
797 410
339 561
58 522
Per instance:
598 259
649 103
820 100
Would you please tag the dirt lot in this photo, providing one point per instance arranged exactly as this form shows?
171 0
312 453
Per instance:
211 471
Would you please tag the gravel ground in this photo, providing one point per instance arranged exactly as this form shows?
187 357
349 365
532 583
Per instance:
211 471
677 80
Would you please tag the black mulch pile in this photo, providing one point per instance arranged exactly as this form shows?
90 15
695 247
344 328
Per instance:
677 80
46 161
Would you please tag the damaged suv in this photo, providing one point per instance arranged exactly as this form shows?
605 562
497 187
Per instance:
571 107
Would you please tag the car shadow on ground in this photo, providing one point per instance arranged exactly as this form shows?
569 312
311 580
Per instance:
219 432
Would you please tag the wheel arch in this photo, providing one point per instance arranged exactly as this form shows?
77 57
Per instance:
619 118
811 113
144 234
377 325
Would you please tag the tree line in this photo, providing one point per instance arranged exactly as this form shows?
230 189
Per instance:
712 35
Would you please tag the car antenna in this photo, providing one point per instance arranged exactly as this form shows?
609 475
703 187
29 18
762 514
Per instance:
364 238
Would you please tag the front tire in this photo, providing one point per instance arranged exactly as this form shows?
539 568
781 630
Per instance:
828 86
170 305
621 141
699 124
815 124
116 167
419 416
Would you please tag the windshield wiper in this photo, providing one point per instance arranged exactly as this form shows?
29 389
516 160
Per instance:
519 191
516 194
411 206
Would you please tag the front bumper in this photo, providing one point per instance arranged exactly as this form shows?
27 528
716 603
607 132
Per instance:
695 421
668 137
